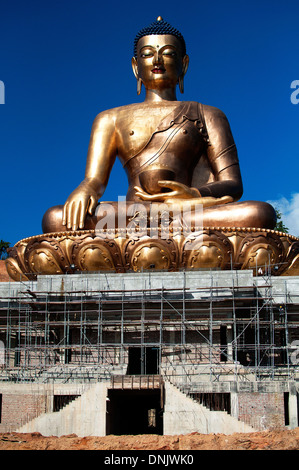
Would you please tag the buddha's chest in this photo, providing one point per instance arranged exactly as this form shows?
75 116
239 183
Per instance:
136 124
142 129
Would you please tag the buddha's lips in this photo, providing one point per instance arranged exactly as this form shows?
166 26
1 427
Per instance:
158 70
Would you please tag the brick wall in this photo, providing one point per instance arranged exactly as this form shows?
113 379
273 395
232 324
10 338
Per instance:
20 408
262 410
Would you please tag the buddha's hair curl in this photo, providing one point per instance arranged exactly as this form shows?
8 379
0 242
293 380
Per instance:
159 27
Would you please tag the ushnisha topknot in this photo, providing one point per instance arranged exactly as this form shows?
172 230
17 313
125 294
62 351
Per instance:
159 27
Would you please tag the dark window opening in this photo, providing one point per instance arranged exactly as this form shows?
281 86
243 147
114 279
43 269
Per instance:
68 349
246 352
283 343
59 401
17 361
214 401
134 412
223 343
286 408
143 361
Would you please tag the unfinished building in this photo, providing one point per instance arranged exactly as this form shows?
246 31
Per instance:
149 352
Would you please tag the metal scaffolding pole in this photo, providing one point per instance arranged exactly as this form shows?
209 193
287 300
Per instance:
211 326
161 329
97 327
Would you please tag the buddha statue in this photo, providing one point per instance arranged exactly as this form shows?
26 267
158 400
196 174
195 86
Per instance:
177 155
172 151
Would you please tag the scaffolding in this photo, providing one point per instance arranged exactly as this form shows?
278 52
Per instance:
188 335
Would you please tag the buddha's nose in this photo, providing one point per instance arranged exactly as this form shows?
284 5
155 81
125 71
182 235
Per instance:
157 59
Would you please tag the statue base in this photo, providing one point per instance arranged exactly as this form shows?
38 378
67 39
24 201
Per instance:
210 248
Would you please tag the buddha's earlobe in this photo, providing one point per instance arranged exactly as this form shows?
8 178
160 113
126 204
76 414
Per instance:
134 67
135 71
185 68
181 83
139 85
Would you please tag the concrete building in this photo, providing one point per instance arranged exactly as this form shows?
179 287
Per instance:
149 352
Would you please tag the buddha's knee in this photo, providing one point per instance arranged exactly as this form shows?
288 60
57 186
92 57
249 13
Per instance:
262 215
52 220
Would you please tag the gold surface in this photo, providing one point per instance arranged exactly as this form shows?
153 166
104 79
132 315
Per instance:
174 153
187 140
211 248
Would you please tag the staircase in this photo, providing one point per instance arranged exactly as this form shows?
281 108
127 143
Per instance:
84 416
184 415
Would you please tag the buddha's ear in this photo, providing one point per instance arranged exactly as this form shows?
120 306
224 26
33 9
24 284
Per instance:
135 67
185 64
184 70
135 71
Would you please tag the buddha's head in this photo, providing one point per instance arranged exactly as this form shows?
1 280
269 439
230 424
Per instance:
160 59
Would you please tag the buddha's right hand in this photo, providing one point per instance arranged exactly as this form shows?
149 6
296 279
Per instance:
81 201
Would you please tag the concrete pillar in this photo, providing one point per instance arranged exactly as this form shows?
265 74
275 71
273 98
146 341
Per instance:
234 400
293 406
234 405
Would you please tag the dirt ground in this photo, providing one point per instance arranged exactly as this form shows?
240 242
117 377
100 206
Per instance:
267 440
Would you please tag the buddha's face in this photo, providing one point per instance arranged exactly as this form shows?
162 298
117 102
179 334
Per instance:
160 61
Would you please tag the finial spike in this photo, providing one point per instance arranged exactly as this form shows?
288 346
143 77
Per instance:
159 18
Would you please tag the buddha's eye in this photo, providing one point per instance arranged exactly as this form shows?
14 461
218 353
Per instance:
169 53
146 53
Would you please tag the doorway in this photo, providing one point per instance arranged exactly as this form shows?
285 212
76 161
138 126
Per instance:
143 361
134 412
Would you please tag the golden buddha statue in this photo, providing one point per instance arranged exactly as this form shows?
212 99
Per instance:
189 143
175 153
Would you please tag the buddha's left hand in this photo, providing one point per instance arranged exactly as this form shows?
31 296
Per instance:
180 192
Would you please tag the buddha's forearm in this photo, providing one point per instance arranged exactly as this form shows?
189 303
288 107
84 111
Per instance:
222 188
97 172
95 184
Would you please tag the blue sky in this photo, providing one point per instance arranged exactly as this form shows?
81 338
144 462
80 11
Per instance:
63 62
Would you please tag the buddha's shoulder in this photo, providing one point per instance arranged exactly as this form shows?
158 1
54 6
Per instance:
114 113
110 117
211 112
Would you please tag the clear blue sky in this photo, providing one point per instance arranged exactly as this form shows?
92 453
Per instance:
62 62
